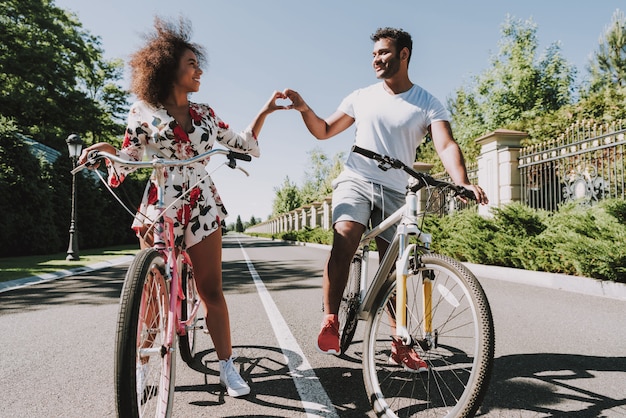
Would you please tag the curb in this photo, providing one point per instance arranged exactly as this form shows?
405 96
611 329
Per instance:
47 277
575 284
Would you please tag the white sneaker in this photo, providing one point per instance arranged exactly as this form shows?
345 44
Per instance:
142 376
231 380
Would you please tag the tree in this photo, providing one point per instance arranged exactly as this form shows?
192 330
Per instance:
323 171
603 97
608 66
239 225
54 81
287 198
518 87
27 224
68 86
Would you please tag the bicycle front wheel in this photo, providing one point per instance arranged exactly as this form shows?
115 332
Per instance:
349 306
144 365
453 335
187 342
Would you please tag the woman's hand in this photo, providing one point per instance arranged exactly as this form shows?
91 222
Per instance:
271 104
101 146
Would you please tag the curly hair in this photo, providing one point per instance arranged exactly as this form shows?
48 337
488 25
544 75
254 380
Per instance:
154 66
401 38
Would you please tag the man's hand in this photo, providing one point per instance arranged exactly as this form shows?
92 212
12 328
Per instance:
297 102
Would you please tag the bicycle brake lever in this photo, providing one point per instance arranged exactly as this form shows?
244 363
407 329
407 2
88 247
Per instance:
244 171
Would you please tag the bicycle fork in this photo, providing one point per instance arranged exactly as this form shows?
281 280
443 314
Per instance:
428 339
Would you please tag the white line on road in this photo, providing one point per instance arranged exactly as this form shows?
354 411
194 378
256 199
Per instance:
314 398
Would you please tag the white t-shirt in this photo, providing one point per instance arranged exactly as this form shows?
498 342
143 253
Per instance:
392 125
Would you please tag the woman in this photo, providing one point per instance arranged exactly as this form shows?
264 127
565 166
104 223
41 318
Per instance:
164 122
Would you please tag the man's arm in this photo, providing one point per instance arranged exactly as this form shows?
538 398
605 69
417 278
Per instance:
319 128
452 158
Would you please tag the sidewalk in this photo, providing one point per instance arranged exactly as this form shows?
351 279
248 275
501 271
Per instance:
564 282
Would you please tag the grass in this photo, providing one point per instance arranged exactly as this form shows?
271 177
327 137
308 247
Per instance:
18 267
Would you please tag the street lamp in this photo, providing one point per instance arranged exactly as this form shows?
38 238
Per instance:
74 147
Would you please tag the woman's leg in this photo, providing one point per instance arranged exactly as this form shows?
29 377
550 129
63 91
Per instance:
206 257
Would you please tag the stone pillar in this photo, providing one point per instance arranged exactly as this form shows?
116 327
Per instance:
303 214
498 167
327 216
313 214
422 195
296 221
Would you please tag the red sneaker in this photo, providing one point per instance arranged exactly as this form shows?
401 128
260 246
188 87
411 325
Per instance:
407 357
328 338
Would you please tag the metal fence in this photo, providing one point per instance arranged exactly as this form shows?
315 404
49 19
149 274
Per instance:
585 164
444 204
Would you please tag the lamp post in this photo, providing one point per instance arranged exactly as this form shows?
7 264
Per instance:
74 147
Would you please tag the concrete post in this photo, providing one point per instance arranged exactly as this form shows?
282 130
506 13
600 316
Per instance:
498 172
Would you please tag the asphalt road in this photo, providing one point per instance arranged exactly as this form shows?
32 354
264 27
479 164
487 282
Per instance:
558 353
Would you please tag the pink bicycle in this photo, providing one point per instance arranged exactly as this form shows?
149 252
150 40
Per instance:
158 305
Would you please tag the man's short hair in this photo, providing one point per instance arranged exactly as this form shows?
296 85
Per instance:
401 38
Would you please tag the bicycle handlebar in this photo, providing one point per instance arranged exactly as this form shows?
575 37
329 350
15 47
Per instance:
423 179
96 155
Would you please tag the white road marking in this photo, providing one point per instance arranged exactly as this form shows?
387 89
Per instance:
314 398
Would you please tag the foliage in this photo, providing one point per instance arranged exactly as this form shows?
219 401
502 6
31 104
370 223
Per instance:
27 224
37 205
313 235
53 78
53 82
239 225
583 241
287 198
519 86
608 67
317 185
323 171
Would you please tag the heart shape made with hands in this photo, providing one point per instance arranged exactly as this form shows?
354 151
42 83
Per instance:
283 102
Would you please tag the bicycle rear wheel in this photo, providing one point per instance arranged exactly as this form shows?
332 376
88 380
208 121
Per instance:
349 306
144 366
187 342
458 351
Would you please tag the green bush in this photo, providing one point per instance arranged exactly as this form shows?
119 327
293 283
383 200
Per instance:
577 240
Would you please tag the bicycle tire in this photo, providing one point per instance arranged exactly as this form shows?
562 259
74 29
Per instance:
187 342
460 359
144 299
349 306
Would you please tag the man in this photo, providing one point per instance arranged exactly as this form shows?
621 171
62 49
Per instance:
392 117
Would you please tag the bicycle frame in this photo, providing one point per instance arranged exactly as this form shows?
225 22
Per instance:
408 216
163 228
171 253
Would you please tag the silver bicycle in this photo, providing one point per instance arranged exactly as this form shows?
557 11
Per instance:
430 302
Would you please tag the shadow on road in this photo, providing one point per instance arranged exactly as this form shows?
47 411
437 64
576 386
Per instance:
104 286
268 371
100 288
540 383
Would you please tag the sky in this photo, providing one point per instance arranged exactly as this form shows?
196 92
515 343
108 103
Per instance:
322 49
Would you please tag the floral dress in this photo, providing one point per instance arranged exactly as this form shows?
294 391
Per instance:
152 131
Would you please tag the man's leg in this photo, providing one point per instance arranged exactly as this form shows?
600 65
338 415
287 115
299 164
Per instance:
346 237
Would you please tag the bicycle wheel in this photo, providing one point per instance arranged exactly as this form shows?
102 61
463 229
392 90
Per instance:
458 351
349 306
187 342
144 366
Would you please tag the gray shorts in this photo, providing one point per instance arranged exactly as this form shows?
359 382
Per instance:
366 203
